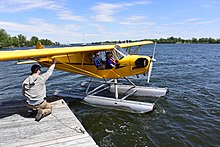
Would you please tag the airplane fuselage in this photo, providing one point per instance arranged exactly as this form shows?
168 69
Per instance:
82 63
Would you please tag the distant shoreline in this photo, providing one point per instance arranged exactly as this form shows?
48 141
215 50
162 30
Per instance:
21 41
92 44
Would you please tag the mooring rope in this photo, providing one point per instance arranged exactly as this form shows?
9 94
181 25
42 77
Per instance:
79 130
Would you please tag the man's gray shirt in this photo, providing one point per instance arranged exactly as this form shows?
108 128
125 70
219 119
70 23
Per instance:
34 87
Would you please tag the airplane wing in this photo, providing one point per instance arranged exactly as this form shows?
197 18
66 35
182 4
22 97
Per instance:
48 52
123 45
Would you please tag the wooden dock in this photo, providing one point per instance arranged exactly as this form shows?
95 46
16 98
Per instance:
61 128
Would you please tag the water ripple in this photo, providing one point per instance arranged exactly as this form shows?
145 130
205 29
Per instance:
189 115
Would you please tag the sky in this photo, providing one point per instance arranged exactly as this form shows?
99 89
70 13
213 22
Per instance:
75 21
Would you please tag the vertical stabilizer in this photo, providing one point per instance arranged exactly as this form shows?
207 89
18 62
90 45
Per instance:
39 45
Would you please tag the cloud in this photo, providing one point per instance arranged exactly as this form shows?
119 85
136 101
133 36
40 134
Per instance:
43 29
99 28
67 15
192 21
62 12
18 5
70 32
16 26
136 20
198 21
105 11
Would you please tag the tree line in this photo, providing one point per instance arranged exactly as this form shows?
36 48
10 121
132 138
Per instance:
169 40
21 41
186 41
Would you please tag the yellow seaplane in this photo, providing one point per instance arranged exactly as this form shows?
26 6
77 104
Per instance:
80 60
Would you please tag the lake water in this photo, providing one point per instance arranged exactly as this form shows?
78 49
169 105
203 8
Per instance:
189 115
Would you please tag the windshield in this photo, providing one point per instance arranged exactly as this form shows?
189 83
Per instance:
119 52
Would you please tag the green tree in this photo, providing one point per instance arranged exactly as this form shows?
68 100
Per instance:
33 40
22 40
15 41
211 40
203 40
194 40
46 42
4 38
57 43
179 40
171 40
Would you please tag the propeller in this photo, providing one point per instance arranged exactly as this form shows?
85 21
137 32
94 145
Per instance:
151 64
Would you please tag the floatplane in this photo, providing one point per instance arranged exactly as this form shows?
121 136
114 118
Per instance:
79 60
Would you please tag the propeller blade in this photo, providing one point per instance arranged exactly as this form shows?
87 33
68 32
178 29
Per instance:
151 64
149 72
154 50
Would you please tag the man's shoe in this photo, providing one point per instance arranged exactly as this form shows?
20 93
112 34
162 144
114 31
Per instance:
39 115
32 113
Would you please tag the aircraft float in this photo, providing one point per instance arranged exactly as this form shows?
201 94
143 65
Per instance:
79 60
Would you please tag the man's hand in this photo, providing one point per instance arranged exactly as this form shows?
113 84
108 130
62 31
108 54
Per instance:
54 60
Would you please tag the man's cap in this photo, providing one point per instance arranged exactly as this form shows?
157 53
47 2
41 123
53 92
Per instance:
96 53
109 53
35 68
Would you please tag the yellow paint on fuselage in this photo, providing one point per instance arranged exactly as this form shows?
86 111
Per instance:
82 63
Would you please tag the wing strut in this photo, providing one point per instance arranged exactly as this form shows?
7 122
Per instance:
136 49
81 70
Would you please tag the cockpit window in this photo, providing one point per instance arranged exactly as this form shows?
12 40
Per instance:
119 52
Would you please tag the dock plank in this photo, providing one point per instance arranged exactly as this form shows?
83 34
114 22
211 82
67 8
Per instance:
61 128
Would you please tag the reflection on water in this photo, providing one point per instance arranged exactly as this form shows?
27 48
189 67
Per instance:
189 115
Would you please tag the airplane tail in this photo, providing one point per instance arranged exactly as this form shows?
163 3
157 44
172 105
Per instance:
39 45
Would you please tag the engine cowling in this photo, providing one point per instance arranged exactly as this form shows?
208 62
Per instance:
141 63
